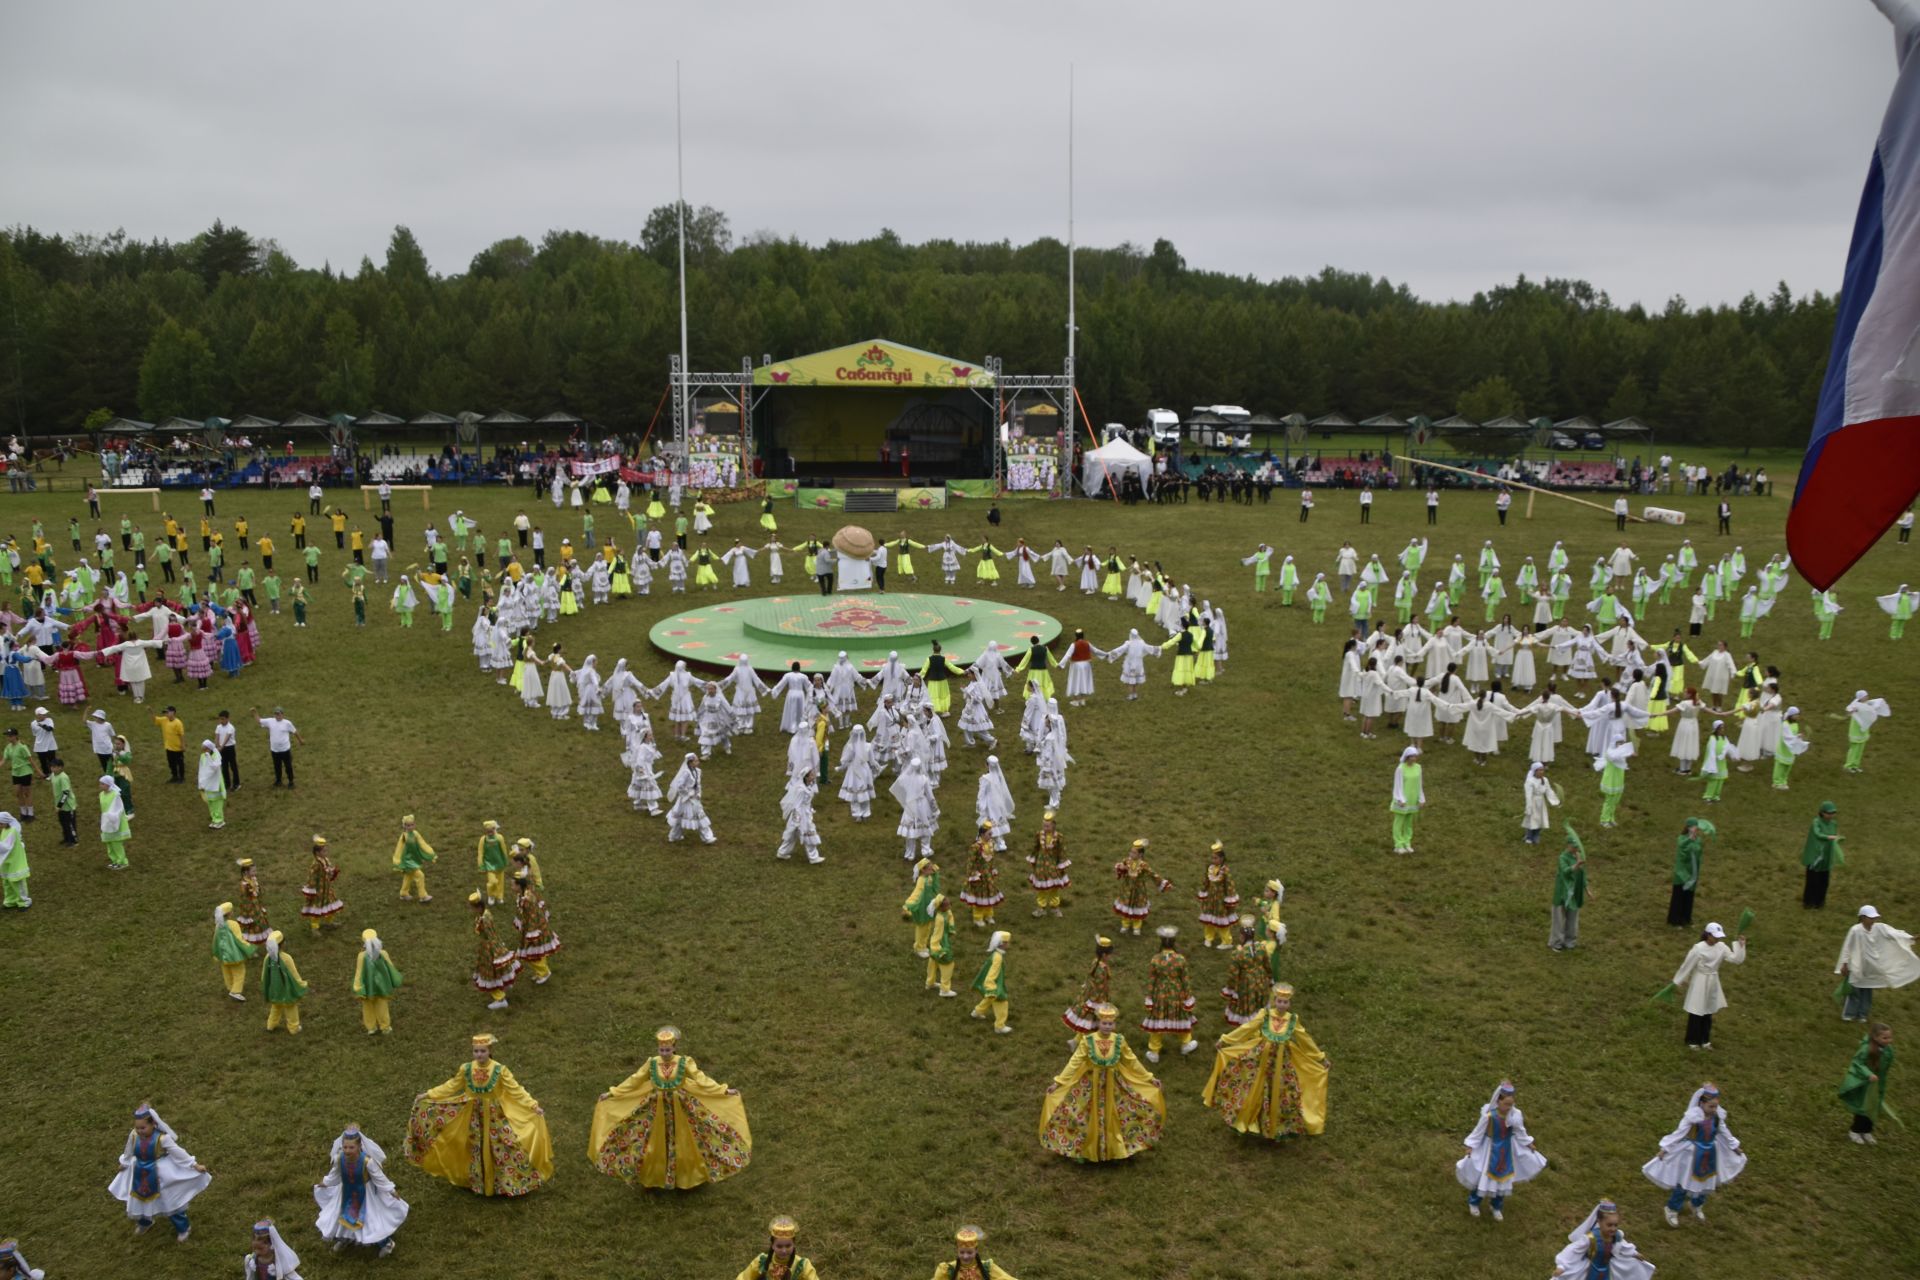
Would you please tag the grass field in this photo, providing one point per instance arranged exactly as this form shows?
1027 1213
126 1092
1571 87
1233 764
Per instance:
882 1118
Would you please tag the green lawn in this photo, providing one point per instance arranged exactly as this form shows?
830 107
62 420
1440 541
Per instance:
883 1118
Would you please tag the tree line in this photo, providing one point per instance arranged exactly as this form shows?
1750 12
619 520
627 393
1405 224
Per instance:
227 323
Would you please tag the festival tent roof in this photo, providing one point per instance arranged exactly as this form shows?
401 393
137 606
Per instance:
304 422
877 364
1624 427
180 426
1105 465
1333 424
127 427
251 422
432 419
504 418
559 418
379 419
1576 426
1385 422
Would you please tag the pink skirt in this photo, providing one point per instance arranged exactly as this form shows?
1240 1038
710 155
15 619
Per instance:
177 654
200 663
73 687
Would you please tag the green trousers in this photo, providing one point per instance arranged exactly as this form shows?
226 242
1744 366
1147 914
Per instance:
1781 769
117 852
1286 596
406 617
1259 583
1403 830
1856 752
1826 628
216 805
1609 805
1319 613
1713 788
1898 629
16 891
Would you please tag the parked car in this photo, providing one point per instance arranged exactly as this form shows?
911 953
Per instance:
1594 440
1562 441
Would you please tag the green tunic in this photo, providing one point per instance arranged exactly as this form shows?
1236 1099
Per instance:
1862 1096
228 949
1686 861
493 853
1822 850
277 985
413 854
991 981
378 979
1570 881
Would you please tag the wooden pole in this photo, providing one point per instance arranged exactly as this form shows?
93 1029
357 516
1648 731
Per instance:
1531 489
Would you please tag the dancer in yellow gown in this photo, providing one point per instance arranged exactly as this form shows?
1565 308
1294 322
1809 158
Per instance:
967 1264
1103 1105
782 1260
669 1125
1269 1077
481 1130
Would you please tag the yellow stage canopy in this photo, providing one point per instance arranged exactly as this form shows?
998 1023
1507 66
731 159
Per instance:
879 364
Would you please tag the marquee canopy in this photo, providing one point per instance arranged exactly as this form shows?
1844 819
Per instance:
878 364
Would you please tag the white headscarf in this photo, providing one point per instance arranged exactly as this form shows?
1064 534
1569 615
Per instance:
1399 778
1505 1086
368 1147
687 776
908 786
219 912
159 1124
1694 1114
1866 710
115 812
285 1261
1592 1220
997 781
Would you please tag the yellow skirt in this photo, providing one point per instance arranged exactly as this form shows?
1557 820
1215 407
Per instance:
987 571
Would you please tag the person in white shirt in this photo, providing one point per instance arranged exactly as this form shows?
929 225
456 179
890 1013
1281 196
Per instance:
281 735
100 729
879 565
381 552
1433 505
1874 956
1699 979
44 745
539 548
313 499
226 736
1366 504
206 500
1501 503
386 497
1620 512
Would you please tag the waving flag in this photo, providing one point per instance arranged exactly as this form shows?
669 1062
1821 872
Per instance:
1863 463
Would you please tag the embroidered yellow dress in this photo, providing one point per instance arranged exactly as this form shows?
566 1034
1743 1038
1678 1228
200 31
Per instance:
1103 1105
1270 1078
673 1130
482 1131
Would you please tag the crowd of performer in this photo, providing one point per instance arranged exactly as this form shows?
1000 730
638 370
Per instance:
669 1126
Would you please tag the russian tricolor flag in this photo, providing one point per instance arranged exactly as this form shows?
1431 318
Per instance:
1863 464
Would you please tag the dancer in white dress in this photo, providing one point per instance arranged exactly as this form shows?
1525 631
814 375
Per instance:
356 1169
1546 711
679 683
157 1178
621 690
919 812
1132 655
586 689
1686 732
559 692
1540 797
1598 1248
1053 755
684 810
1699 1157
715 721
993 802
975 723
643 784
795 694
1482 736
843 691
796 806
738 555
1500 1154
856 774
746 688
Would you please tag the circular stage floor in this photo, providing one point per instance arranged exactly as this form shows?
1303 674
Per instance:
772 631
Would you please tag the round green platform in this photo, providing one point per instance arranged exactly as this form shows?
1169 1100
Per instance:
772 631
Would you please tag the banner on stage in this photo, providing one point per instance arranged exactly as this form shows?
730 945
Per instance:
878 364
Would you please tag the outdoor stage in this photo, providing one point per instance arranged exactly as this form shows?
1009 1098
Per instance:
772 631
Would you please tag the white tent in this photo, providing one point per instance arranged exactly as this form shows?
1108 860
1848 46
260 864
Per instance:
1107 464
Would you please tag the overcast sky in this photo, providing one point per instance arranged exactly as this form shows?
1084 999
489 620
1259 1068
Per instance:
1703 147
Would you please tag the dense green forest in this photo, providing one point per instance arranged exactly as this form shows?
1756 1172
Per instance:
228 324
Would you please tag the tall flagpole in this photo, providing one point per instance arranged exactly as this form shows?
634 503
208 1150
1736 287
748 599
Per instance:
1072 329
680 214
